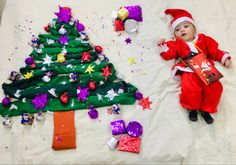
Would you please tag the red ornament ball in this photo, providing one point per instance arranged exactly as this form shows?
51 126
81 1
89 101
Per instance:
92 85
47 28
64 98
98 48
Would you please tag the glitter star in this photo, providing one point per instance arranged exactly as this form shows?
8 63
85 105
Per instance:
82 93
64 14
106 72
131 60
128 40
111 94
89 69
28 75
145 103
47 60
99 96
64 40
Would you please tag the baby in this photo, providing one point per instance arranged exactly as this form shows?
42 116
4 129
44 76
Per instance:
195 95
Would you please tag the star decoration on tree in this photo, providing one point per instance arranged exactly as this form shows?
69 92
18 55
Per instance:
64 40
86 56
40 101
82 93
89 69
128 40
145 103
28 75
106 72
111 94
47 60
99 96
131 60
64 14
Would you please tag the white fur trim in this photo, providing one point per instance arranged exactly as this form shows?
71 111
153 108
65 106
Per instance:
163 15
226 55
184 69
181 19
192 47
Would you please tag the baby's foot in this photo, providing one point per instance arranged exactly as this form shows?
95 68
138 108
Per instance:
207 117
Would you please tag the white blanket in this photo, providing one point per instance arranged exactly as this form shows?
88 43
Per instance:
168 135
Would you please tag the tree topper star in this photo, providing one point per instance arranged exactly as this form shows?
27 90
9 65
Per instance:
145 103
64 14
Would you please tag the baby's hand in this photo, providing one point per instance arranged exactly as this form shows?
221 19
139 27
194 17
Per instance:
161 41
227 63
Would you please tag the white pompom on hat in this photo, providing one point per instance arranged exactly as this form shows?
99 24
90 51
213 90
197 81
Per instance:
179 15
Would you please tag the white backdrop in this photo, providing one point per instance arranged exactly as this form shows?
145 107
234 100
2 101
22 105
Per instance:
168 137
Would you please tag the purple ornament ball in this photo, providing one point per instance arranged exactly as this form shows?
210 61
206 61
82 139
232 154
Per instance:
138 95
6 101
134 129
29 61
93 114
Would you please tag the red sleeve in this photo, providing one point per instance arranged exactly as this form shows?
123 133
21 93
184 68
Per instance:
168 50
213 52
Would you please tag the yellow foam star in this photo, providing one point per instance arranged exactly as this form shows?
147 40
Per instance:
28 75
89 69
131 60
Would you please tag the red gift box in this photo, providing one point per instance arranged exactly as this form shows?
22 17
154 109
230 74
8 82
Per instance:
129 144
204 69
119 25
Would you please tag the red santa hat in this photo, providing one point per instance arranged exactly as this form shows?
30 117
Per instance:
179 15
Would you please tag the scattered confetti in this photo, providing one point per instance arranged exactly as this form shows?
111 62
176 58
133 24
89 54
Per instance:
128 40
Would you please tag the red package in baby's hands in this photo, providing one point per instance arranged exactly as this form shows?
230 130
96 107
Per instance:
204 69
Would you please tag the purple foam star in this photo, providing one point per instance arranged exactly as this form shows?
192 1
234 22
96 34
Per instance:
64 14
40 101
82 93
64 39
128 40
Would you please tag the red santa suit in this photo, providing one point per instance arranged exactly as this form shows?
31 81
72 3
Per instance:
194 93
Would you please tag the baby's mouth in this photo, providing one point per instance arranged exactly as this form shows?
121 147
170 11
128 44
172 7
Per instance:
184 34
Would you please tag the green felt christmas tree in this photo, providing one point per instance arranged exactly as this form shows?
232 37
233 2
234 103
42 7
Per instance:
64 72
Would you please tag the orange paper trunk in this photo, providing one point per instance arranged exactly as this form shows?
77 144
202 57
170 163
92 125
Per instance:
64 131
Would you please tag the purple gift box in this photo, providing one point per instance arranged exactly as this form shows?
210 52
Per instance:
135 12
118 127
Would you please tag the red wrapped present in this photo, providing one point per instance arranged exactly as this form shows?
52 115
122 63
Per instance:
119 25
129 144
204 69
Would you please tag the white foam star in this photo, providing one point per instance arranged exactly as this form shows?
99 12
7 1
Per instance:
111 94
47 60
17 94
52 91
50 41
13 106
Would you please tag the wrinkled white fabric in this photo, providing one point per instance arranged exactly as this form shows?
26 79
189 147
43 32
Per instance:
168 135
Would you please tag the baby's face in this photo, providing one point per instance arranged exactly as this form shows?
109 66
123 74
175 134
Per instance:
185 31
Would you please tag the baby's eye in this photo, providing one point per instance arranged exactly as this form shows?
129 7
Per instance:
186 26
177 29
